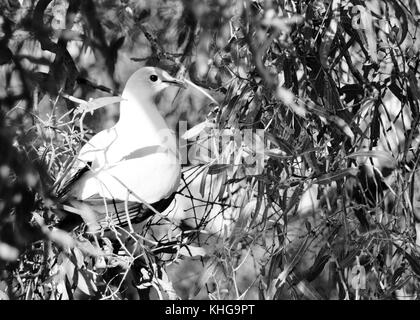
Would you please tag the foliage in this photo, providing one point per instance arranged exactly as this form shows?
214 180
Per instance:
333 85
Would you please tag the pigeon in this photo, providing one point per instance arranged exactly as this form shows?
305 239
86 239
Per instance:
126 173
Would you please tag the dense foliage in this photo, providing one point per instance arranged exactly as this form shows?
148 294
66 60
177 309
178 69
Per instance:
333 87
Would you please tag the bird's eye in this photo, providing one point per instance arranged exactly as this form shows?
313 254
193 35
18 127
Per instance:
153 78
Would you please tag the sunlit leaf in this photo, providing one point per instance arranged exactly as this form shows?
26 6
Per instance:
358 280
343 126
329 36
166 286
414 86
3 295
390 160
85 283
308 290
402 18
191 251
288 98
92 105
295 259
87 248
277 153
218 168
62 238
295 198
334 176
195 131
370 33
7 252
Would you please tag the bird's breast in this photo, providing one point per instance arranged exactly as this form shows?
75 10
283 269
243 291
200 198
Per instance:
129 165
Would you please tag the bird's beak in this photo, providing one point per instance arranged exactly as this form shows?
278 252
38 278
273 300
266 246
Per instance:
175 82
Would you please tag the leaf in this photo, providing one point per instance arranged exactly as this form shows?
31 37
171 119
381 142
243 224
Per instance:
343 126
412 259
414 85
397 91
192 84
337 175
330 34
218 168
288 98
62 238
260 195
87 248
222 186
192 251
69 291
281 23
375 154
402 17
195 131
88 215
8 253
78 259
327 41
294 199
203 182
166 247
349 259
85 283
358 281
116 44
294 261
367 21
277 153
319 263
414 262
166 286
308 290
144 14
3 295
397 275
209 271
92 105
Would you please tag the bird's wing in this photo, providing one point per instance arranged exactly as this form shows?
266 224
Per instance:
147 178
151 174
86 158
111 212
148 172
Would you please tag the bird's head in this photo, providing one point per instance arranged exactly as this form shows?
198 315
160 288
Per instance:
149 82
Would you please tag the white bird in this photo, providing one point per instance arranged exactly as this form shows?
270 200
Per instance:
122 169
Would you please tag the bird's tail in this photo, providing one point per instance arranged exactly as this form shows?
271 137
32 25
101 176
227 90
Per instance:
102 213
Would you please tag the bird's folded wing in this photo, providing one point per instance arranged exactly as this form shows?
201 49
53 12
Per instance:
85 159
67 185
110 212
141 170
82 167
117 212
